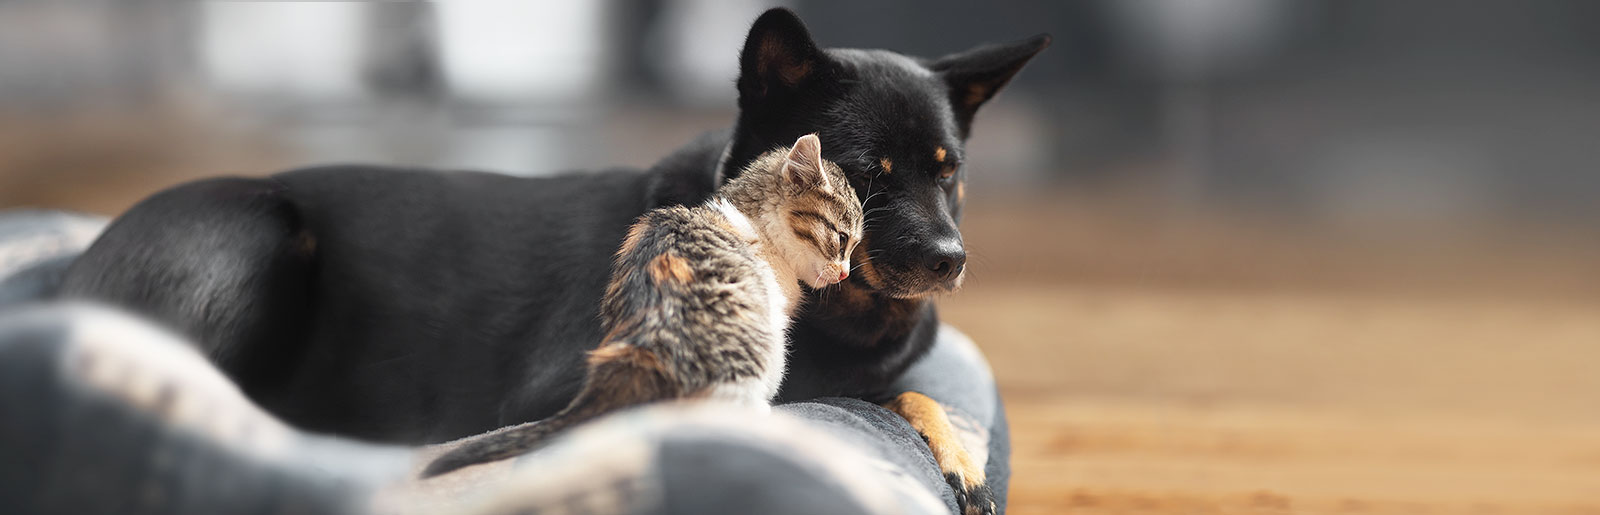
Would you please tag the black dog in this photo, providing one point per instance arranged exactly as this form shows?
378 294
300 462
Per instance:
415 306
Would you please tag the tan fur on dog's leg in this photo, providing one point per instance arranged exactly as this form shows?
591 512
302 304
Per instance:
964 474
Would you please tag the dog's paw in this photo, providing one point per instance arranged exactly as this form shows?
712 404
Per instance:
972 498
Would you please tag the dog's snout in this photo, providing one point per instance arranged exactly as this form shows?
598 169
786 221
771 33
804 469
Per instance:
946 259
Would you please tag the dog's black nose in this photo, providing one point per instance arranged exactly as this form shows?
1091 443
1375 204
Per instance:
946 259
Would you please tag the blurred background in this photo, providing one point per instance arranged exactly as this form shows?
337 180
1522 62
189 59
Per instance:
1229 256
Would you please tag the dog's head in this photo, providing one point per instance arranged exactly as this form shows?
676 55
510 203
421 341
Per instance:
896 124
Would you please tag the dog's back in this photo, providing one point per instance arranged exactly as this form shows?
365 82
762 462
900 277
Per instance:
378 302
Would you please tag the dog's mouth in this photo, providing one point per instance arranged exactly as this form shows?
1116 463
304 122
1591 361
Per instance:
900 282
915 285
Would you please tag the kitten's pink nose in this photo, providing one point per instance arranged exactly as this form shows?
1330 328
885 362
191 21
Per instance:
843 274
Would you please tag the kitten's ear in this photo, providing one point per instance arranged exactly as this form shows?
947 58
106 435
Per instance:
778 56
974 76
803 166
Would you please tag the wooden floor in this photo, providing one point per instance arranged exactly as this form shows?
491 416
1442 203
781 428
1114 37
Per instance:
1146 393
1147 402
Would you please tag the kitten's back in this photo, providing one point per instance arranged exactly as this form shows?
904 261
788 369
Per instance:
689 286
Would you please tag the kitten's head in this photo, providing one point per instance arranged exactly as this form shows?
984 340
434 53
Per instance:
818 217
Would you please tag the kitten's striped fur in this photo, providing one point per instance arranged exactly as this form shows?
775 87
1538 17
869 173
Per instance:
700 298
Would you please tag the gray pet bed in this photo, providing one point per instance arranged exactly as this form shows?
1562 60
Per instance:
106 413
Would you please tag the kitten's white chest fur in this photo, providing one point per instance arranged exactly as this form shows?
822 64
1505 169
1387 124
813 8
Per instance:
783 292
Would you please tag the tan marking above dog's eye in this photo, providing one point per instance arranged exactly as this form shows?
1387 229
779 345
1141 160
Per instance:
938 154
888 166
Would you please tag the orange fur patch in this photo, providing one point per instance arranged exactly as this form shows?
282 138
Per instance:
629 375
635 235
669 268
621 352
888 166
961 192
938 154
930 420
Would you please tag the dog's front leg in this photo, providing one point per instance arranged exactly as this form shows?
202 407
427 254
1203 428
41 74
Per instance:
963 473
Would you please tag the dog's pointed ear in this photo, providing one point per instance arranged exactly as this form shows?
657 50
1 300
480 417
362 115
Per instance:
803 166
778 56
974 76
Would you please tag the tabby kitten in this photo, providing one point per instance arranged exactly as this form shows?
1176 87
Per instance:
700 298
